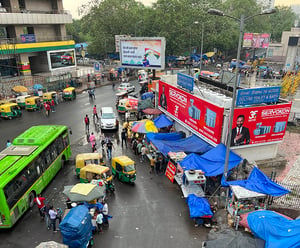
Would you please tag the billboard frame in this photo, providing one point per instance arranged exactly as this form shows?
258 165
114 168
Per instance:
136 66
64 67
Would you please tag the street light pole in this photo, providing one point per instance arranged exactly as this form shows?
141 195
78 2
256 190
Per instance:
241 21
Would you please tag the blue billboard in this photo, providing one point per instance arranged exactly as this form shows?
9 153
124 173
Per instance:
257 95
28 38
185 81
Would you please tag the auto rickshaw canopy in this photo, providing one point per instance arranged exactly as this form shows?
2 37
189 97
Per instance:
122 160
32 99
82 157
49 95
10 100
69 89
19 88
93 168
6 108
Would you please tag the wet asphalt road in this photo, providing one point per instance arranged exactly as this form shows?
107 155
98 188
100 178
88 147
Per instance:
150 214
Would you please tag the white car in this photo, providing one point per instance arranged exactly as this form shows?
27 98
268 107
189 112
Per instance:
108 119
126 87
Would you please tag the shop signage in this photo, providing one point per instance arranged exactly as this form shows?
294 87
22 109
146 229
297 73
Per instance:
27 38
260 124
170 171
97 67
257 95
185 81
200 115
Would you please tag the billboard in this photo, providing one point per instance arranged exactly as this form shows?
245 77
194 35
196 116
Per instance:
256 40
142 52
259 124
61 59
117 41
185 81
201 116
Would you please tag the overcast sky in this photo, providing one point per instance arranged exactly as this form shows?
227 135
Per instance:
72 5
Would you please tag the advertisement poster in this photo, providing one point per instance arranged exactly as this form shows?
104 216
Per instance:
143 53
170 171
61 59
256 40
259 124
203 117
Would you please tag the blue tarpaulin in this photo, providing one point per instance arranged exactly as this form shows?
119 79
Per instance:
212 162
162 121
79 45
199 206
163 136
188 145
259 182
276 230
76 227
147 95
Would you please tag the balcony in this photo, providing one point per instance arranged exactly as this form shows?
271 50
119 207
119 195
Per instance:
34 17
13 41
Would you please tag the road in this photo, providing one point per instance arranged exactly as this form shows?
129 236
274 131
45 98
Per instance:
152 213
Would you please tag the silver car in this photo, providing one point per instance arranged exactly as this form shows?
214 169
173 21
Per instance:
126 87
108 119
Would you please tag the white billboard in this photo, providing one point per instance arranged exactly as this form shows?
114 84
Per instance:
117 41
61 59
143 52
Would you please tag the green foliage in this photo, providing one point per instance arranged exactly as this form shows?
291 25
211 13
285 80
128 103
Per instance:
181 22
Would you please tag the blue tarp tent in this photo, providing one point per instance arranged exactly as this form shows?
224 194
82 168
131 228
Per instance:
211 162
188 145
147 95
163 136
76 227
199 206
259 182
276 230
162 121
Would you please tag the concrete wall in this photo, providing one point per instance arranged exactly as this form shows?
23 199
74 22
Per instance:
38 5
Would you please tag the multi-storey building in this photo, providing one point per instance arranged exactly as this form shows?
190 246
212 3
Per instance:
29 31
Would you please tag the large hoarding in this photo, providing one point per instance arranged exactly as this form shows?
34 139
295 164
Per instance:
260 124
201 116
142 52
61 59
117 41
255 40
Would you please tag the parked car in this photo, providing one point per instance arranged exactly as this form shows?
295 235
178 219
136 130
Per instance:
108 119
126 87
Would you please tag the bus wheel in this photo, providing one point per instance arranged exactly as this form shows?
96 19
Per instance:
31 199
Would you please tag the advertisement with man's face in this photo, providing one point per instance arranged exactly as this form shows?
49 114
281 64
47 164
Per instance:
61 59
143 52
203 117
259 124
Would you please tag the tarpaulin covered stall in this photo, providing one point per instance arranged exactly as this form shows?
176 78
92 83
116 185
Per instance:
162 121
187 145
212 162
199 206
259 182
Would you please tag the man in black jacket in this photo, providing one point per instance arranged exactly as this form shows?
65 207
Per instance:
240 135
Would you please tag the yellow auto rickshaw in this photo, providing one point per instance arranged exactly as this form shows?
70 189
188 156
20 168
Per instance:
9 100
123 168
84 159
10 110
97 174
21 101
69 93
31 103
48 96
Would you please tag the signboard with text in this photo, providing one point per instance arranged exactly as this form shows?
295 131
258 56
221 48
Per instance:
256 40
142 52
185 81
203 117
170 171
257 95
259 124
28 38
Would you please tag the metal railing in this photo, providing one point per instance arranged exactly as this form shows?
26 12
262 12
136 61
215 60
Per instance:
29 11
6 41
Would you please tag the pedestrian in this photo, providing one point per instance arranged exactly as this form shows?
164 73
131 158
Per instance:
39 200
143 153
124 137
52 104
92 140
139 147
134 144
95 114
113 85
8 143
87 123
105 212
152 165
47 108
157 165
99 221
53 216
39 105
109 147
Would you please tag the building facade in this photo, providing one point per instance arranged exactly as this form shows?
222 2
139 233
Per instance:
29 29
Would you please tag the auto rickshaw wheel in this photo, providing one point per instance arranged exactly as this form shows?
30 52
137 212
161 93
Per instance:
9 117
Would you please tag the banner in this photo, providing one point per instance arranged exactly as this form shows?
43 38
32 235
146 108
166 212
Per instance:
143 52
259 124
256 40
171 171
203 117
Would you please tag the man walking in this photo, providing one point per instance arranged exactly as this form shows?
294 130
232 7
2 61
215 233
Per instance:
105 212
53 215
95 114
87 123
124 137
39 200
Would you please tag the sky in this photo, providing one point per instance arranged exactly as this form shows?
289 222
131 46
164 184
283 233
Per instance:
72 5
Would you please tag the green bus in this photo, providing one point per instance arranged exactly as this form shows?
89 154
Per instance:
28 166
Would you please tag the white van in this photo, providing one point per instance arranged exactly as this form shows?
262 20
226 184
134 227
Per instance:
108 119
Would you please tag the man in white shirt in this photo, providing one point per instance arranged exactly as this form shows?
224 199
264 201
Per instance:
105 212
53 215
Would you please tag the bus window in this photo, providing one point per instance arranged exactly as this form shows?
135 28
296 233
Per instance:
66 141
